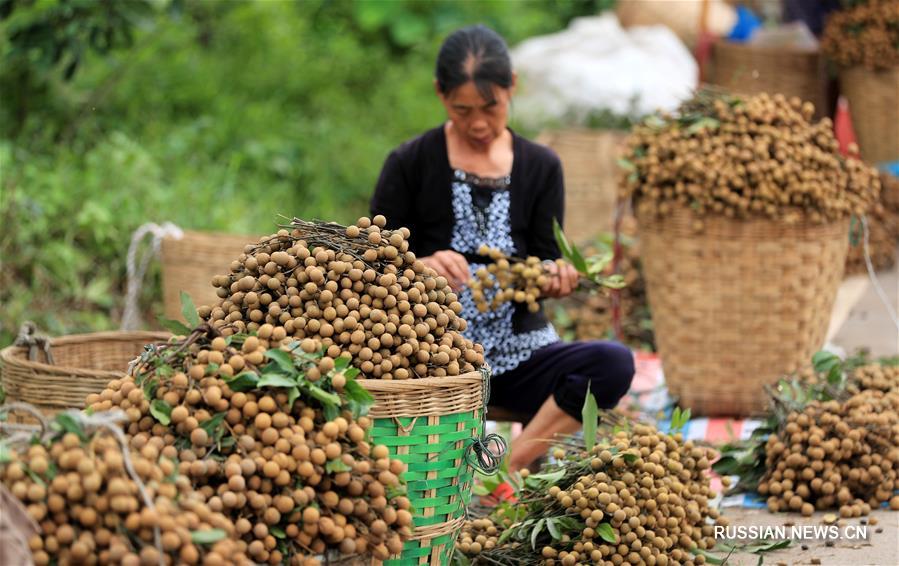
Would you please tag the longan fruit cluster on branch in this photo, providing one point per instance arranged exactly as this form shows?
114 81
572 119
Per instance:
78 487
508 279
356 290
742 157
270 443
640 498
841 453
866 34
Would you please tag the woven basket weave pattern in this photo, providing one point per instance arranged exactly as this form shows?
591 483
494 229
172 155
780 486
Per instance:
589 159
190 263
427 423
874 105
749 69
738 305
84 364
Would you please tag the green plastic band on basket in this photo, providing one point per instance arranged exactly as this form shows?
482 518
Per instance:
442 454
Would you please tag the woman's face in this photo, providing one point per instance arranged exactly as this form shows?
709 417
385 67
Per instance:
478 120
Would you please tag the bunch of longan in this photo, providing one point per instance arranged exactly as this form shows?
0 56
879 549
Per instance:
744 157
295 483
841 454
90 510
356 290
866 34
507 279
649 491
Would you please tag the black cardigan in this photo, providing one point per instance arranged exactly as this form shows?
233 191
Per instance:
415 190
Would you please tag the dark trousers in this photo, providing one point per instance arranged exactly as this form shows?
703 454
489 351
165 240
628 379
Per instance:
564 370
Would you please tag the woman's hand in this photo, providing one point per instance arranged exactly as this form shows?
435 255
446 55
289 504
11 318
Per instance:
561 279
451 265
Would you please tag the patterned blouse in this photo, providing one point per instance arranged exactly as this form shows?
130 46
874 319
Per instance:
481 209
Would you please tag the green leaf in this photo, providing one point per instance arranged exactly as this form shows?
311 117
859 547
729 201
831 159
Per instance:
207 537
606 533
323 396
189 310
244 381
561 240
276 380
589 413
825 361
626 164
67 423
174 326
336 465
552 478
536 532
702 124
149 386
5 453
553 528
340 364
331 412
292 395
709 557
161 410
282 358
277 532
212 425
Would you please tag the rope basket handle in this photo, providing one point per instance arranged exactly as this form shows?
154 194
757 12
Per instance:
30 337
137 267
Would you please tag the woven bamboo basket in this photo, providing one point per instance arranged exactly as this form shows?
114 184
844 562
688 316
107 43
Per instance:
874 105
589 159
84 364
751 69
428 424
189 264
738 305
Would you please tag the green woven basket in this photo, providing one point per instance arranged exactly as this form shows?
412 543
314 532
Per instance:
428 424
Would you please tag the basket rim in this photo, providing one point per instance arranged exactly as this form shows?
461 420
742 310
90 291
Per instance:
423 383
9 354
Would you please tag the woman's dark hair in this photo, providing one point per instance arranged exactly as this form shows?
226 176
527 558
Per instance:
474 53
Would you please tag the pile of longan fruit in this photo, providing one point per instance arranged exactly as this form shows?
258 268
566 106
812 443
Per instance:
866 34
90 511
742 157
507 279
356 290
296 484
839 453
652 489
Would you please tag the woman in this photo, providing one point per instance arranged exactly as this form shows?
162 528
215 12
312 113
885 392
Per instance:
473 181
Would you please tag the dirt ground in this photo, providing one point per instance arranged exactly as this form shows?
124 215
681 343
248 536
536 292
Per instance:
881 548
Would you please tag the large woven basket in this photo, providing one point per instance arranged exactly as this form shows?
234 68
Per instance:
589 159
84 364
428 424
874 105
189 264
751 69
738 305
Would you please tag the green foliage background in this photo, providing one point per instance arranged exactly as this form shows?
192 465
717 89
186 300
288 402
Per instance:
212 114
